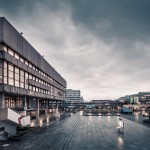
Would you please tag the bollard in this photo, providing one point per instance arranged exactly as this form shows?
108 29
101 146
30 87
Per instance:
120 126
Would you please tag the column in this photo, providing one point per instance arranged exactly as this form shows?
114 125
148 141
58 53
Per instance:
25 106
37 106
56 103
2 100
52 106
46 108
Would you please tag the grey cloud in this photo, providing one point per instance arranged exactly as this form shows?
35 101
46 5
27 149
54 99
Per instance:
99 46
114 19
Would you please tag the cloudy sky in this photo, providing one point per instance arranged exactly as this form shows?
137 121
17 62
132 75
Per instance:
101 47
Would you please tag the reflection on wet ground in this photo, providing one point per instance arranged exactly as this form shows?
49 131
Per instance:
79 132
138 117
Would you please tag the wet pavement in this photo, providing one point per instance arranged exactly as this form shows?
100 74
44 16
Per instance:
138 118
85 133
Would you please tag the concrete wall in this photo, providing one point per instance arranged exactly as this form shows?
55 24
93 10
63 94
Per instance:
9 128
17 42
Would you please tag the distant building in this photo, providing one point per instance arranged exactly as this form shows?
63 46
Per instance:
141 97
104 102
74 96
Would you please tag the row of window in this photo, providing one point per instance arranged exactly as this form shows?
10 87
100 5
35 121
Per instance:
13 102
17 56
20 78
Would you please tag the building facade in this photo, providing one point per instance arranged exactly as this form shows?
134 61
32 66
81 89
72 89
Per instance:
26 79
73 96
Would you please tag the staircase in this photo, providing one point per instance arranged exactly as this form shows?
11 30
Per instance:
9 120
13 117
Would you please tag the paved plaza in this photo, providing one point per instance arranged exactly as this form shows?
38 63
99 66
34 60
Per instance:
85 133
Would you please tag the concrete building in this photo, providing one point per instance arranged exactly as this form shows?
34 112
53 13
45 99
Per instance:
73 96
27 80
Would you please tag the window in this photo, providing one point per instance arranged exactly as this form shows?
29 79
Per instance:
22 78
21 59
37 89
10 74
37 80
30 87
11 52
16 56
26 62
16 76
3 47
33 88
34 78
1 72
42 81
30 65
5 72
30 76
34 67
26 80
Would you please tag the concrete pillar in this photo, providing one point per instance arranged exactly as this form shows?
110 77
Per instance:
25 106
37 106
2 100
52 106
56 103
46 108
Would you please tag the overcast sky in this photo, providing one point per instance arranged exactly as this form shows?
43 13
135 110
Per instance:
101 47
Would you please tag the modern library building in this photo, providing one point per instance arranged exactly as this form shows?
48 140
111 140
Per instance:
27 80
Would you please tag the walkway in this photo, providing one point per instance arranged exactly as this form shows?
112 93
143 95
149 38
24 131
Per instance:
85 133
